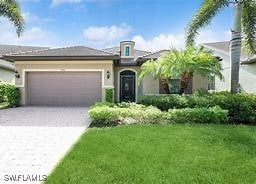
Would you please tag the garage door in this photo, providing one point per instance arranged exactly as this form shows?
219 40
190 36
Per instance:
64 88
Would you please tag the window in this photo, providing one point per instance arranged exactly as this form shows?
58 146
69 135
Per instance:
174 86
127 51
211 83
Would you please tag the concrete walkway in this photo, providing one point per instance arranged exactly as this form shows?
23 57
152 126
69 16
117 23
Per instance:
34 139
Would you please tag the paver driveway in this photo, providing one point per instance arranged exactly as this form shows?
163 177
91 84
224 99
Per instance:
34 139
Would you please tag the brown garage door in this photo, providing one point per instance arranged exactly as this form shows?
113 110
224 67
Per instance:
64 88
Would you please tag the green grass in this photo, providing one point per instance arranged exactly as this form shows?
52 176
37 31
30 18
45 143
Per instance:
161 154
4 105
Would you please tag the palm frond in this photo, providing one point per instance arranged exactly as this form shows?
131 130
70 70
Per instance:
202 18
249 25
11 10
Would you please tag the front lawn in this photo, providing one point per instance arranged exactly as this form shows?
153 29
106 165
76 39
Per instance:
181 153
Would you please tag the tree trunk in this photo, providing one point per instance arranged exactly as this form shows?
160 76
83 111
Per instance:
235 49
165 85
184 80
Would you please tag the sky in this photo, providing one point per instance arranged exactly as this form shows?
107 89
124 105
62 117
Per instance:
152 24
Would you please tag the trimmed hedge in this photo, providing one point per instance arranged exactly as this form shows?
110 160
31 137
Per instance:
214 115
10 94
105 114
109 95
241 107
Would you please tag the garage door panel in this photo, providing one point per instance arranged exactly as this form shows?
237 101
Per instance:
64 88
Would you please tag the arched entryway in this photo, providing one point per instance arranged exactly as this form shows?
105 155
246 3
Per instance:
127 90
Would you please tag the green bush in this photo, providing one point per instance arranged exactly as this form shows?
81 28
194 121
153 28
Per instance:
124 113
214 115
109 95
106 114
10 94
163 102
241 107
2 98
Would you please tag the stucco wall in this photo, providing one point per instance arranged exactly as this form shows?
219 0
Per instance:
150 85
7 75
147 86
247 76
32 66
122 48
199 82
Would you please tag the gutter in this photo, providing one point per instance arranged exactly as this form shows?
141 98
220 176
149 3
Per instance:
59 58
4 64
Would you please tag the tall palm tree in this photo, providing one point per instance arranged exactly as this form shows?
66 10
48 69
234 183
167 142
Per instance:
244 24
183 64
11 10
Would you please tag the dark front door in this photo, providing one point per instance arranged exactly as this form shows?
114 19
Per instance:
127 86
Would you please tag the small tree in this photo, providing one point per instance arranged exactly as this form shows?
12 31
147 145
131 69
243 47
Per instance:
11 10
155 68
183 64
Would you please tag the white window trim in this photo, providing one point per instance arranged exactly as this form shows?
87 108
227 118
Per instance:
130 56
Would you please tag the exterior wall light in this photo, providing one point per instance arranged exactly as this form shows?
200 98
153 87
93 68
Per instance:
108 74
17 75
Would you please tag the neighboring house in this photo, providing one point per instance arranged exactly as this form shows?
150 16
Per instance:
7 68
79 75
247 75
6 71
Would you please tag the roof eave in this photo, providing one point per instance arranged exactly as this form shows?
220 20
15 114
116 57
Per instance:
58 58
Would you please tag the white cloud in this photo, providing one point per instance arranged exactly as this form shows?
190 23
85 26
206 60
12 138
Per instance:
106 35
32 36
34 19
58 2
28 0
162 41
166 41
29 17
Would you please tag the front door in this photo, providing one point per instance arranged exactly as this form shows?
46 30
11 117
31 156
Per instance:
127 86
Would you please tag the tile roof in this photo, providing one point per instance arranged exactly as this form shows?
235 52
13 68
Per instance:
81 51
9 49
155 55
137 53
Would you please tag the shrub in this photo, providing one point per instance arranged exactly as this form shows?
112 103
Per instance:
10 94
241 107
2 99
109 95
129 113
163 102
214 115
124 113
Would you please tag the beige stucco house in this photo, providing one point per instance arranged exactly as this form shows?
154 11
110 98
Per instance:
80 75
247 73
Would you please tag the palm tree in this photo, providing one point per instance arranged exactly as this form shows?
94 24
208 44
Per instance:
11 10
155 69
183 64
244 24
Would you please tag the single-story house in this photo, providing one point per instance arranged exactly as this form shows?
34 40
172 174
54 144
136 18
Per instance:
247 76
7 68
80 75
